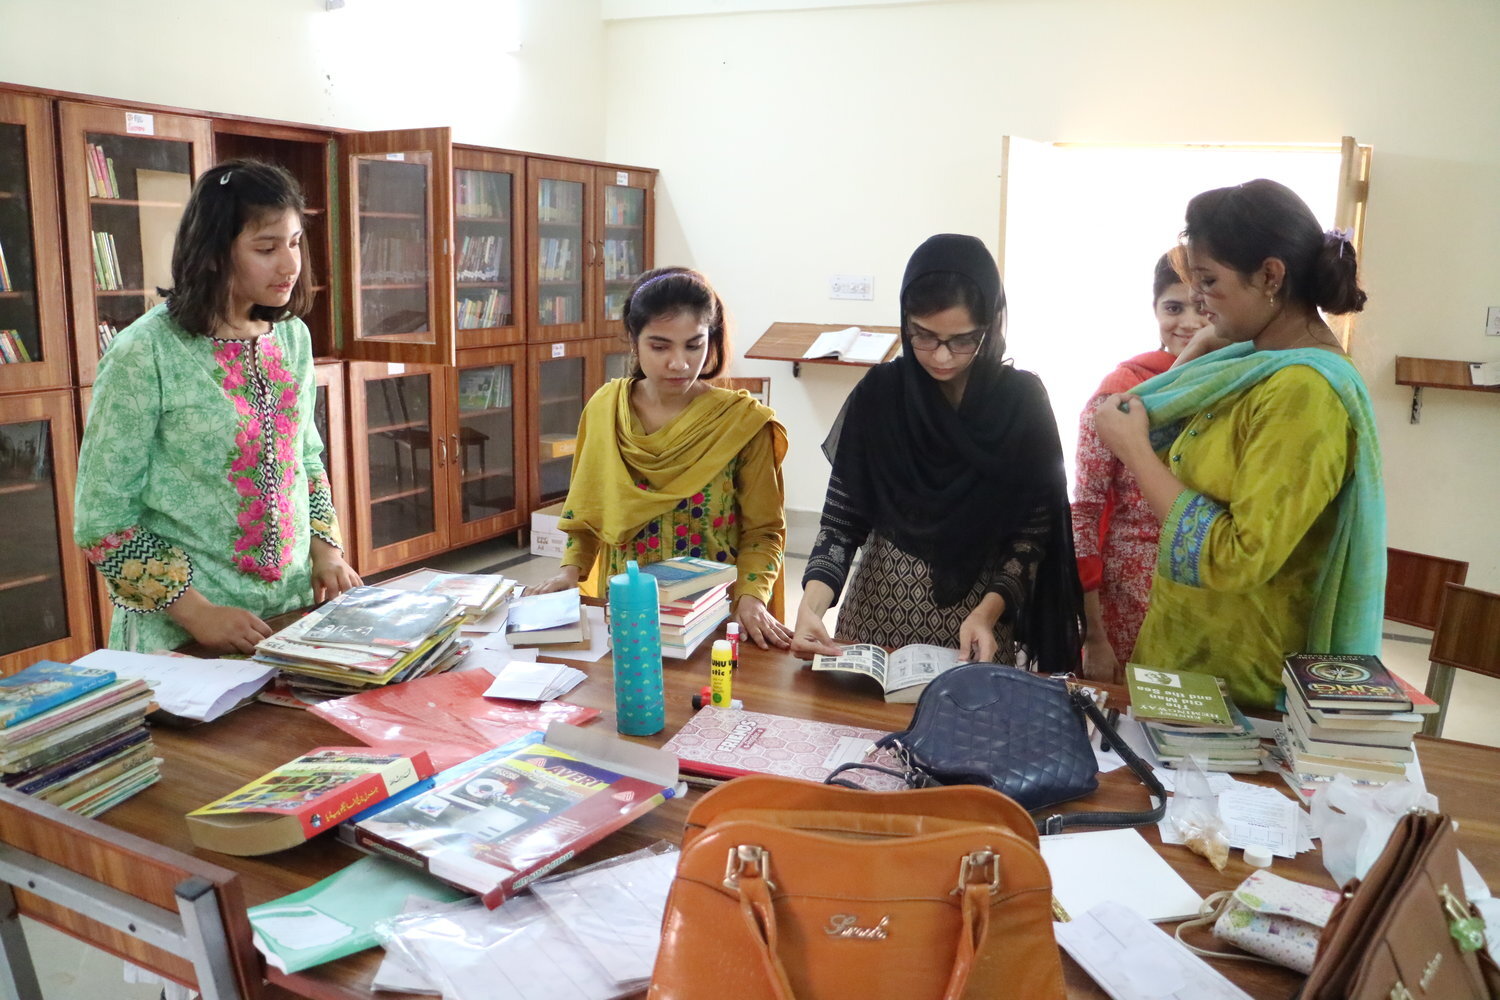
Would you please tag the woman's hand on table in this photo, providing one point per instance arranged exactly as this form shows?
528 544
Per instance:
219 628
331 572
566 579
759 625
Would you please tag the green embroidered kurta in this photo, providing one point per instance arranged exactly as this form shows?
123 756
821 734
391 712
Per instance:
1240 553
201 466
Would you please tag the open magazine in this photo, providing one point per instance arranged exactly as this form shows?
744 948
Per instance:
901 674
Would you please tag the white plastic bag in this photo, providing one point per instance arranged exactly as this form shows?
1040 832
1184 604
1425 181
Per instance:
1193 813
1354 821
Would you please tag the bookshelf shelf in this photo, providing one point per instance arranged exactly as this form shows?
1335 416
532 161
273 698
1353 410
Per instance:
386 429
6 194
102 292
19 488
16 295
554 283
555 459
397 286
483 284
788 342
486 219
391 215
1435 373
474 477
487 412
128 203
26 581
402 495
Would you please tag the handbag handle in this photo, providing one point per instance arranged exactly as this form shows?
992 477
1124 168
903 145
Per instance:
1208 912
1058 822
759 913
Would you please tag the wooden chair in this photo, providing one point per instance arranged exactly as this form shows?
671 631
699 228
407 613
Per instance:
174 914
1414 586
1467 637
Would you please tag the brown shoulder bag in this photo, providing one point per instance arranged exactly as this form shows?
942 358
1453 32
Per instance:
790 890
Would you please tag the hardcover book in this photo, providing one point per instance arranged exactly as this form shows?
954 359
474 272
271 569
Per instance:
302 798
726 743
44 685
1183 699
1344 681
683 575
494 823
902 675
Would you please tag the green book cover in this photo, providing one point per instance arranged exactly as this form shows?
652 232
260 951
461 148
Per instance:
1182 698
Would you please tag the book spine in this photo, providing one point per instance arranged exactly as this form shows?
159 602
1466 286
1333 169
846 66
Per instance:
76 784
371 844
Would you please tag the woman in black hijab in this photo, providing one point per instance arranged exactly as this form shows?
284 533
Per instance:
948 473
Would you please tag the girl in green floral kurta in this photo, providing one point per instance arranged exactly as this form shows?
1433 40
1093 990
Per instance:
201 495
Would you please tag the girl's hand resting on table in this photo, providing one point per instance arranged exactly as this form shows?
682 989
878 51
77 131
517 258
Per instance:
566 579
221 629
759 625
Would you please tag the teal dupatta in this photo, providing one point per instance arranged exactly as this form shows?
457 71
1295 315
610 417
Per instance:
1349 606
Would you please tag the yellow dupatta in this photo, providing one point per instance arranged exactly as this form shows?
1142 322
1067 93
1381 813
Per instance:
613 454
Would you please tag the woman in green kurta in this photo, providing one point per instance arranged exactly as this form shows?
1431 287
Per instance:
1268 473
667 465
201 494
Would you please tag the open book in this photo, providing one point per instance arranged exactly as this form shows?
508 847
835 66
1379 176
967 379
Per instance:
902 674
852 345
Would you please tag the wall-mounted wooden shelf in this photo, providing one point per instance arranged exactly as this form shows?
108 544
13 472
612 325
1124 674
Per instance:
1435 373
788 342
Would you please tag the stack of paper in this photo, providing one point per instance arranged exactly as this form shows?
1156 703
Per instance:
534 681
554 619
75 736
191 689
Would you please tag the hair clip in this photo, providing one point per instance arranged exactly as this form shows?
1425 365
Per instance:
224 179
1345 237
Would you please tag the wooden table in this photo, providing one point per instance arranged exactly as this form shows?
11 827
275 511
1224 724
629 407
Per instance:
208 761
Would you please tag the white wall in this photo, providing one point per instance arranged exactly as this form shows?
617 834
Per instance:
375 64
796 145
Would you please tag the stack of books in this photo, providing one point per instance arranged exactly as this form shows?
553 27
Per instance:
1346 714
477 594
554 620
1189 714
76 736
366 637
694 598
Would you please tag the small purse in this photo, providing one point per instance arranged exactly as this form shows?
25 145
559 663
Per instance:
1405 930
1275 920
1020 733
791 890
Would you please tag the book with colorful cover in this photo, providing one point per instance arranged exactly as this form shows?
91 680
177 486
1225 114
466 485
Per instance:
43 685
686 607
1181 698
38 726
1344 681
76 736
727 743
39 779
302 798
494 823
683 575
375 616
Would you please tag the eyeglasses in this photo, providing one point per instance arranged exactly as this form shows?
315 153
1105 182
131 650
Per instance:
964 343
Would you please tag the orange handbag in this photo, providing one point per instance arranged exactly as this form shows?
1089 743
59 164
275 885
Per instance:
790 890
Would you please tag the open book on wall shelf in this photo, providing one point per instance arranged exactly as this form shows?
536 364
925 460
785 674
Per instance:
792 341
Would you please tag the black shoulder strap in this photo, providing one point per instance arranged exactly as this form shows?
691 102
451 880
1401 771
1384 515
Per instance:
1058 822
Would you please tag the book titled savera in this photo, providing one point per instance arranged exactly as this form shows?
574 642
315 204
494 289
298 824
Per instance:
302 798
493 824
1345 680
43 685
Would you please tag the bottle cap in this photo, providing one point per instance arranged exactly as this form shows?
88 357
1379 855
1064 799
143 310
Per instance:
722 647
1258 857
732 630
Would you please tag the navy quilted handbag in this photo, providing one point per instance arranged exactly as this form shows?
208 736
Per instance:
1019 733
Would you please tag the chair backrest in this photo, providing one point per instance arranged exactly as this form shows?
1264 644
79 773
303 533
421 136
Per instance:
1468 630
159 908
1414 586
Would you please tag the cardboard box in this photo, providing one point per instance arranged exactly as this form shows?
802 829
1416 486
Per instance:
546 539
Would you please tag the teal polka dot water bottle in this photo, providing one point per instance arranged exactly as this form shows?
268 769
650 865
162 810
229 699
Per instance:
635 635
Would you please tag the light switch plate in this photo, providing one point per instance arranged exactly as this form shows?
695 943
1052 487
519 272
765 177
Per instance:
851 286
1492 322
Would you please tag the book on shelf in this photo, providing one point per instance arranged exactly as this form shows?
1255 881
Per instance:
902 674
726 743
5 285
13 349
1182 698
382 618
494 823
557 445
302 798
683 575
43 685
852 346
1347 681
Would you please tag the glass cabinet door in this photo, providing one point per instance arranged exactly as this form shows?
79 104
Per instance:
614 360
559 387
624 247
399 463
562 250
486 195
33 352
44 599
330 418
400 289
486 482
126 181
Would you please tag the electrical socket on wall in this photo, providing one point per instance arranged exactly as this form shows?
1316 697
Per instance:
851 286
1492 322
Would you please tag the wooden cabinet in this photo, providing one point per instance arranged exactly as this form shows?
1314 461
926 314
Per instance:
331 417
559 379
33 328
625 241
126 178
398 236
488 251
487 473
304 154
44 579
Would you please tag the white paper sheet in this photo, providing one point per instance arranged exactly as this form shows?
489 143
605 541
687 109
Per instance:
1118 865
1132 959
615 912
397 973
534 681
185 685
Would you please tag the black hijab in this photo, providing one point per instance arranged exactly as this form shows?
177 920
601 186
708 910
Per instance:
952 485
